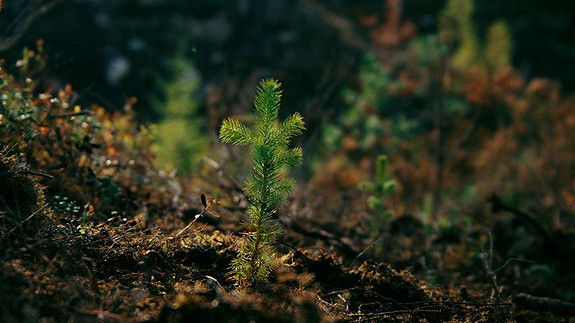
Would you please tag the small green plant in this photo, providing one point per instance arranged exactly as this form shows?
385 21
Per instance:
78 217
380 189
269 184
180 135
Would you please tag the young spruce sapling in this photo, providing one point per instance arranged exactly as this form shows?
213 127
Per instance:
269 184
382 187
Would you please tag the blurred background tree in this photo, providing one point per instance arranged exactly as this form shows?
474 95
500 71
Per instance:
181 131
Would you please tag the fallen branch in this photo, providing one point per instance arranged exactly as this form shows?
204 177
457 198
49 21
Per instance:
474 304
535 303
203 213
412 308
370 316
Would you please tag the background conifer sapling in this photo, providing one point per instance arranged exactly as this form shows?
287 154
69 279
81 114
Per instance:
382 187
269 185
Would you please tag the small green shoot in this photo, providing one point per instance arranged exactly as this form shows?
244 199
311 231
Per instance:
382 187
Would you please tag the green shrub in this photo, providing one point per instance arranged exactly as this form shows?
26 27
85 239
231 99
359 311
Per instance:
86 154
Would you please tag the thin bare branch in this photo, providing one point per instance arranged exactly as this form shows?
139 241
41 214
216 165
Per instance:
24 21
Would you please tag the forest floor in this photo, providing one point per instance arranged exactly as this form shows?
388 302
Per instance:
127 269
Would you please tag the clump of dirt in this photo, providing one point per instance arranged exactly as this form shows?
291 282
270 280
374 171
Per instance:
208 301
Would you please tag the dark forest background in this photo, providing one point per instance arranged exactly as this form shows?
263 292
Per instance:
293 40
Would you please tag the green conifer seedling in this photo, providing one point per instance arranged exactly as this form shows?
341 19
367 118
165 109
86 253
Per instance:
269 185
382 187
